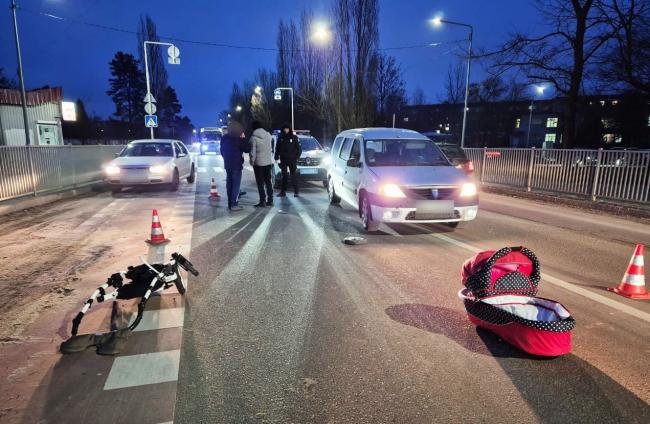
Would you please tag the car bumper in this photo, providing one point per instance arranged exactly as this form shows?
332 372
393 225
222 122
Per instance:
307 173
408 210
139 181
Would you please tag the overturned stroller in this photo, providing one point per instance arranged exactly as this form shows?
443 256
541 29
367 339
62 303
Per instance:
145 279
500 296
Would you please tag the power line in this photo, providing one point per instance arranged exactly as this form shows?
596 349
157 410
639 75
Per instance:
209 43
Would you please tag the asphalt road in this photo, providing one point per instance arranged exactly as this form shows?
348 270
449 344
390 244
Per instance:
286 324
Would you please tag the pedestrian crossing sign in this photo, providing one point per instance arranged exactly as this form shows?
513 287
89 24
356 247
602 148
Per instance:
151 121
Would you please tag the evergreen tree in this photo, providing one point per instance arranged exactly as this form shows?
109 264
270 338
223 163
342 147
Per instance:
127 89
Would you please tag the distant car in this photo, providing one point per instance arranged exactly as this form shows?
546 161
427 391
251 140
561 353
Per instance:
452 150
398 176
313 163
210 138
150 162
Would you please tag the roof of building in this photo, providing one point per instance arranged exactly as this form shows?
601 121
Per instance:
34 97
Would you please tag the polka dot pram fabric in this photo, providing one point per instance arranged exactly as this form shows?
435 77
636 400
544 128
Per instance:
500 296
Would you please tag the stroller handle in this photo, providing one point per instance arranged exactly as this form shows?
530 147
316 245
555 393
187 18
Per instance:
535 275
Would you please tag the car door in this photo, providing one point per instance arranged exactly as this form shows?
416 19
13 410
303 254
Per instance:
353 173
182 160
339 167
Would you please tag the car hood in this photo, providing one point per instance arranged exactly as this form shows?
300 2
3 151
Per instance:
312 154
420 175
141 160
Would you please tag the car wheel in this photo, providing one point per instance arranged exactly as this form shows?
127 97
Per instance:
180 283
334 199
458 224
366 216
192 176
325 183
176 181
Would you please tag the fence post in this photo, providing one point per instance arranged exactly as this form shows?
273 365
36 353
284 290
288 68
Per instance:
594 187
31 168
483 163
74 166
530 169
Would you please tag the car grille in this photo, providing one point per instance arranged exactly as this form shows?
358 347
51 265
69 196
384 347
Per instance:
309 161
414 216
435 193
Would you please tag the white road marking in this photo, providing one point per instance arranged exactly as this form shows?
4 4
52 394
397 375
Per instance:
146 368
621 307
161 318
218 170
202 170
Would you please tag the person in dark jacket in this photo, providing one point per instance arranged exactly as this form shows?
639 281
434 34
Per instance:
288 151
233 147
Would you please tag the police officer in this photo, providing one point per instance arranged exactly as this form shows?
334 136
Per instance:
288 151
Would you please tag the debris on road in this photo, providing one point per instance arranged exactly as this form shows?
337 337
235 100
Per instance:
354 240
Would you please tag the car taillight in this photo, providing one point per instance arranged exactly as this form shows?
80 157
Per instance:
470 166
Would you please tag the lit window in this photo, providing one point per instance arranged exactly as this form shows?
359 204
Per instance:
550 137
602 102
614 102
649 120
518 122
551 123
608 122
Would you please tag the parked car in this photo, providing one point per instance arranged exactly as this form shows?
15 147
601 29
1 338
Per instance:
398 176
313 162
450 147
150 162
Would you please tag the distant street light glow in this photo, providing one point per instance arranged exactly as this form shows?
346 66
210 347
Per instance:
258 90
437 21
238 108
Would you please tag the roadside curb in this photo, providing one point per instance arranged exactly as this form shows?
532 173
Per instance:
639 213
30 201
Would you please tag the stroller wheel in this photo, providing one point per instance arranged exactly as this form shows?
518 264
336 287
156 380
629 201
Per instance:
180 283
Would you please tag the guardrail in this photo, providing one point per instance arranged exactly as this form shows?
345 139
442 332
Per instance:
596 174
34 170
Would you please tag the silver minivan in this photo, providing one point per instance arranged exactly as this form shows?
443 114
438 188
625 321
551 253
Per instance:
396 175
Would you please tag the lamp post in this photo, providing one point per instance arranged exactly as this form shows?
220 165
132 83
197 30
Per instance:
322 34
279 97
539 89
439 21
21 78
172 60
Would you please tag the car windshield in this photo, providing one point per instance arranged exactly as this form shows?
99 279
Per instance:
403 153
309 143
147 149
452 151
210 136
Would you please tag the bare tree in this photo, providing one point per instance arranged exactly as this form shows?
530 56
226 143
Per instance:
455 84
516 90
157 72
576 32
388 85
627 58
418 97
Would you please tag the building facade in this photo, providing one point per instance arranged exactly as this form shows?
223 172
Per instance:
603 121
43 115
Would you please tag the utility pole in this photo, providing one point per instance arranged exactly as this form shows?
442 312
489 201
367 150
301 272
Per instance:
469 68
21 78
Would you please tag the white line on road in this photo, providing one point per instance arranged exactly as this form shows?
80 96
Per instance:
218 170
161 318
202 170
621 307
146 368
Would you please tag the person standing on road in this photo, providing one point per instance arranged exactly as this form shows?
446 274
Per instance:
233 147
288 151
262 161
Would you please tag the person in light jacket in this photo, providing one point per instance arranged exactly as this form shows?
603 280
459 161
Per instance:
262 160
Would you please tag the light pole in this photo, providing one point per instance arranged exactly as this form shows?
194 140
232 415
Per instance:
289 89
23 94
321 34
439 21
172 60
539 89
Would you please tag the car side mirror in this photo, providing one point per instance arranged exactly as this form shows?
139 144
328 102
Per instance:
181 155
353 162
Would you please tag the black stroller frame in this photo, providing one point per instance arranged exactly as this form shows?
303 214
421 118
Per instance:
145 280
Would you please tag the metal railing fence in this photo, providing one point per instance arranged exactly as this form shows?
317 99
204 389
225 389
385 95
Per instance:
598 174
33 170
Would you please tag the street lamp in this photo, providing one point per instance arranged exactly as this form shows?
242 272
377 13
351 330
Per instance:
438 21
238 108
539 89
321 33
258 90
278 96
173 53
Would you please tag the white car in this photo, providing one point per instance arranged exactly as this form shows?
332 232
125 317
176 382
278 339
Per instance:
398 176
149 162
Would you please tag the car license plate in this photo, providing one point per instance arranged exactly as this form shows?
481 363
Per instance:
434 209
308 170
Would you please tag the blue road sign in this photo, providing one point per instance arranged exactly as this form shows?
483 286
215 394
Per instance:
151 121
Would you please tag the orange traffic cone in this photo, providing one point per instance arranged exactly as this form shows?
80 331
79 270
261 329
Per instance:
633 284
214 193
157 236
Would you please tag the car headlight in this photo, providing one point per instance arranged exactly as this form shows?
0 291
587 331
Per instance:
157 169
326 161
112 170
204 147
468 190
391 190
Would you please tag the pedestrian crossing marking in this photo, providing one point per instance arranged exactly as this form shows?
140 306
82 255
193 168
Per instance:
146 368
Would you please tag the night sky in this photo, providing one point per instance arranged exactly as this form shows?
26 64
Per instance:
76 56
